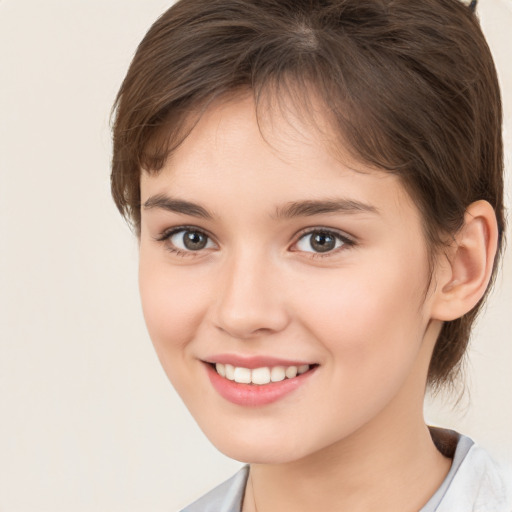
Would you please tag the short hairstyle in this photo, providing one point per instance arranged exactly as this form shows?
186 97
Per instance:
410 85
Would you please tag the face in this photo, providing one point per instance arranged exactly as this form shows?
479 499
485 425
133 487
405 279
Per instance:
298 274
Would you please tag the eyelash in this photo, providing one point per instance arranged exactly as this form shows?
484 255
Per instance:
166 236
347 242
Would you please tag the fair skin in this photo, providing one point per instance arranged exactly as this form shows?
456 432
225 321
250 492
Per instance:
359 310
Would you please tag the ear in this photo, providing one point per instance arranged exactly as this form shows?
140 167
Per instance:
463 277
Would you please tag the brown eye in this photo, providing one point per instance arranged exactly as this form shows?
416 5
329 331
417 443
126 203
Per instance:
320 242
190 240
194 241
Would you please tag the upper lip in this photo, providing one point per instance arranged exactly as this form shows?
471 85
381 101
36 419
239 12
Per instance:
252 362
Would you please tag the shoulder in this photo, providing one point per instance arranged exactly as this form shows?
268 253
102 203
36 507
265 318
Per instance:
479 485
226 497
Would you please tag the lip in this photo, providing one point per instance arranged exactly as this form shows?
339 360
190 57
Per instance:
252 362
251 395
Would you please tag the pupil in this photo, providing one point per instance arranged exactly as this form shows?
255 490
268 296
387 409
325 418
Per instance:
194 241
323 242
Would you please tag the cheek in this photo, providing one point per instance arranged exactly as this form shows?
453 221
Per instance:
173 304
371 328
370 319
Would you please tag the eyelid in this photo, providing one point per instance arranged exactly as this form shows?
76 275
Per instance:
348 240
165 236
324 229
167 233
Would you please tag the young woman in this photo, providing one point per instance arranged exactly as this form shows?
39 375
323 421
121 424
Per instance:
318 195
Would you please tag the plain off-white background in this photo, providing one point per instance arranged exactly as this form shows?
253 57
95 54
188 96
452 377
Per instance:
88 421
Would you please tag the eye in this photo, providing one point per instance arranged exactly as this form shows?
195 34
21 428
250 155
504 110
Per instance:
321 241
187 240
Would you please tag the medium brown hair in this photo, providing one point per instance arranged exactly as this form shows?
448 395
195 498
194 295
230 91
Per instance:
410 85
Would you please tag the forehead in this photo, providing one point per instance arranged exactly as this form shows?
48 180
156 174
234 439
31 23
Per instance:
270 155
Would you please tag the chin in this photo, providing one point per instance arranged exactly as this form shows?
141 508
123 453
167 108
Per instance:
259 449
256 454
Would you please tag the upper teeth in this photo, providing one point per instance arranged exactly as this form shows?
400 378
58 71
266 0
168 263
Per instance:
259 376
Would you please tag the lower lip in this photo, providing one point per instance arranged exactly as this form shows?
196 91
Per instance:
253 394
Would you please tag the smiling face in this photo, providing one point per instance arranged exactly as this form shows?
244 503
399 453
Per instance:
270 257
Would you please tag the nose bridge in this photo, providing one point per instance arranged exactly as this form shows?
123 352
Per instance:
250 301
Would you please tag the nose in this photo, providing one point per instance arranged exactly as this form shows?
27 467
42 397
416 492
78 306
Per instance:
251 299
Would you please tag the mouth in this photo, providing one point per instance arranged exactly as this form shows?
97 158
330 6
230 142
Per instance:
258 385
260 376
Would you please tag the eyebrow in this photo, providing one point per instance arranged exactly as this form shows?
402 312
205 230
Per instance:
293 209
311 207
177 206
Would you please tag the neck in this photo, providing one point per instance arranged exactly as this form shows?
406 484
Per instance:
400 471
389 464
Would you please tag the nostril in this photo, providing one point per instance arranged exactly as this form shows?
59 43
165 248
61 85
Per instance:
240 333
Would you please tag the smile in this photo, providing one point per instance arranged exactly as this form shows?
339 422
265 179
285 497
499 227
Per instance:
259 385
259 376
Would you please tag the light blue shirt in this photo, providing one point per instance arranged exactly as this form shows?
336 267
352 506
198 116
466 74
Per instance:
475 483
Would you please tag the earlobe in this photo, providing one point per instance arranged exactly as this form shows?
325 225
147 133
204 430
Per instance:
463 279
